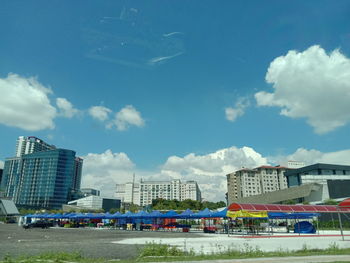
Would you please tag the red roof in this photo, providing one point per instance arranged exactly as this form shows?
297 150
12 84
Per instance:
292 208
345 203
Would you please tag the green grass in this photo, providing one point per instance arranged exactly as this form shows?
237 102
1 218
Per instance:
153 252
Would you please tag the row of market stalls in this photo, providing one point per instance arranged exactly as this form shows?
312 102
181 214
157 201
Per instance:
237 217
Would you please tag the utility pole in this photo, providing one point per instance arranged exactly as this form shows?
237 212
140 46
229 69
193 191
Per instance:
132 188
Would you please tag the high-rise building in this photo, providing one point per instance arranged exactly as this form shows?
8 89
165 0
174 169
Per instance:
78 167
42 179
31 144
248 182
1 170
144 192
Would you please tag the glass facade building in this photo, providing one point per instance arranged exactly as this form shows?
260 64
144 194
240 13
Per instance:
43 179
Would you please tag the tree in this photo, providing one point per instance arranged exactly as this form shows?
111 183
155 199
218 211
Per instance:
331 202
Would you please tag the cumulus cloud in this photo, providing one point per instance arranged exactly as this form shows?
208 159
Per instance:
126 117
313 156
24 103
210 170
66 108
310 84
103 171
233 113
99 113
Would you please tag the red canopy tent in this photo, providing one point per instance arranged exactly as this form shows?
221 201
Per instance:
343 207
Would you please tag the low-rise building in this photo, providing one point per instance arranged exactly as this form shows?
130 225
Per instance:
89 191
335 179
94 202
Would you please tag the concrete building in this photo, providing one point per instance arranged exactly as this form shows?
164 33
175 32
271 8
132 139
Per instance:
250 182
128 193
89 191
143 193
295 164
8 208
94 202
312 184
1 171
334 179
43 178
31 144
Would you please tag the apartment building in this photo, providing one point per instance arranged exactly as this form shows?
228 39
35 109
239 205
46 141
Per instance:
31 144
249 182
144 192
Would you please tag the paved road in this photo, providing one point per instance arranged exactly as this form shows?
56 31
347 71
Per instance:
93 243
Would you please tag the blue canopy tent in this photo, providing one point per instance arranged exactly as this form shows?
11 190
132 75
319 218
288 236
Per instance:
185 214
50 216
66 215
154 218
206 213
221 213
107 215
116 215
170 214
280 215
57 216
155 214
125 218
42 215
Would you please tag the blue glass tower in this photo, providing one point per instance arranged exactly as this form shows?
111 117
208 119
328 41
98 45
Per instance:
42 179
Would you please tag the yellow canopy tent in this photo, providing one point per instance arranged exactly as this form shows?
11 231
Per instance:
247 214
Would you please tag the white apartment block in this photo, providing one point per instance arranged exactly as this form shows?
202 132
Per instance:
128 193
143 193
248 182
31 144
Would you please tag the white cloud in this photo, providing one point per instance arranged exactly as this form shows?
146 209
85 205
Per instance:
233 113
126 117
24 104
156 60
103 171
66 108
310 84
99 113
210 170
314 156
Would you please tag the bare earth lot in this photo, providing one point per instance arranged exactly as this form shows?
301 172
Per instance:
119 244
94 243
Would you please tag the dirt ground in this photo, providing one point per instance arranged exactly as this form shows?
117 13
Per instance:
93 243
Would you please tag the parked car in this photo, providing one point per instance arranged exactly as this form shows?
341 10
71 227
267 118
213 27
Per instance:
38 224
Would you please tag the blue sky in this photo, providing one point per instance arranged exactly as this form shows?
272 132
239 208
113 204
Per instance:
174 83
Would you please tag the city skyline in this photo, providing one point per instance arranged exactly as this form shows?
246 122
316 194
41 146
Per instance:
189 91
